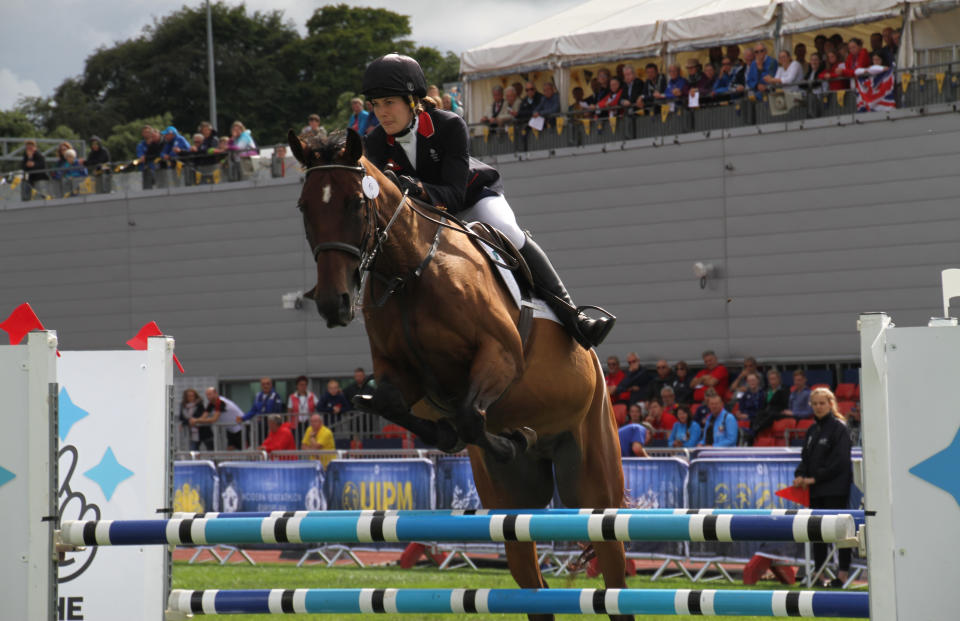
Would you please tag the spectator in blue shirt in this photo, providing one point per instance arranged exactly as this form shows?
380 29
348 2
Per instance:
148 152
799 397
677 86
761 67
685 432
360 118
372 121
173 145
632 438
267 401
550 102
720 426
753 398
727 82
333 402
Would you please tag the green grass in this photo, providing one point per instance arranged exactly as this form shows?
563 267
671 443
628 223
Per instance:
287 576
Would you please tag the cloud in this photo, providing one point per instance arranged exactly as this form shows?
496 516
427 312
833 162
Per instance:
13 87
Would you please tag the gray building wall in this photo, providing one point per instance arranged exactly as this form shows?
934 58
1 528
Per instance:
807 228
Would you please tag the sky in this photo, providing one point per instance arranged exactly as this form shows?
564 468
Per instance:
43 42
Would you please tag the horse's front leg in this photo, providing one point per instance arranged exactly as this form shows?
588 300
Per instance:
493 370
390 401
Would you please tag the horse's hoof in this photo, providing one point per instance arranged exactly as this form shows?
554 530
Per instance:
448 440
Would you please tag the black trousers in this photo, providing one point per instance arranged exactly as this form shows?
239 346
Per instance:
820 549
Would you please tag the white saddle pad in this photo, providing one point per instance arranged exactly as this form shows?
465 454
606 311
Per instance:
540 308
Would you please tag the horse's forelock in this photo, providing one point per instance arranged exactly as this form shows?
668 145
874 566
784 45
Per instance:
327 148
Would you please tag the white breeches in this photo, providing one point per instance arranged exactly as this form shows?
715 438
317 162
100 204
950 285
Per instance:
496 211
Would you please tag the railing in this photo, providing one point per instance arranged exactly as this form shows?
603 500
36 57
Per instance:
916 87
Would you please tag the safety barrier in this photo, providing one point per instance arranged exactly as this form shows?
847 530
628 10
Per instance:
529 601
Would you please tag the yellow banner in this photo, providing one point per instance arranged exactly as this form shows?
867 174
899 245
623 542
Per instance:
664 113
536 133
841 95
87 186
613 123
486 133
586 126
905 78
510 130
16 181
560 121
940 77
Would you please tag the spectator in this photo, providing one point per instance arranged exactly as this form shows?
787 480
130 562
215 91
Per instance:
834 69
529 103
740 382
668 399
635 412
240 148
372 121
733 53
361 385
714 375
761 67
61 149
191 410
632 438
707 83
610 104
720 426
819 43
715 55
799 397
826 469
837 40
148 152
602 87
696 79
677 87
753 399
812 76
663 420
333 402
664 377
549 105
889 49
267 401
495 107
681 383
800 54
203 152
856 59
278 161
685 433
301 404
614 374
579 103
319 438
518 89
510 108
35 172
702 411
450 105
776 399
279 437
233 415
433 92
729 80
788 73
98 165
173 145
632 88
741 69
313 127
70 173
654 86
359 118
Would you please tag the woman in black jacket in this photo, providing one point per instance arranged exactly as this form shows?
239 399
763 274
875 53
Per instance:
826 469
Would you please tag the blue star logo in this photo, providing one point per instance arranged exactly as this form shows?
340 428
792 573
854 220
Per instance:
108 474
70 413
941 471
5 476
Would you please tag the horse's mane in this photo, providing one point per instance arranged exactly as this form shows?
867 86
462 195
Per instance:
326 147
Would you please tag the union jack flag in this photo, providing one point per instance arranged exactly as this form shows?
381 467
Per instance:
875 92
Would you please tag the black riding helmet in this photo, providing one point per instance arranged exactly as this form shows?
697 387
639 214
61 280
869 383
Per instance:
394 74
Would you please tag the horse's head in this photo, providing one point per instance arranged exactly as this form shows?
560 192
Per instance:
339 220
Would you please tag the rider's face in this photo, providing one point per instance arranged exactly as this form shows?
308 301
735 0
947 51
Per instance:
393 113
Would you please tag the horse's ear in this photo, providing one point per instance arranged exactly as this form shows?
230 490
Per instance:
354 150
296 146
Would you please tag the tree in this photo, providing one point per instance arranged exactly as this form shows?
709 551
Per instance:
16 124
123 139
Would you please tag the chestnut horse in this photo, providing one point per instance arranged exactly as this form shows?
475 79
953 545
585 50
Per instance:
444 340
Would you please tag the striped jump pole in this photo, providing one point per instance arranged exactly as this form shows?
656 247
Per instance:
529 601
838 529
858 514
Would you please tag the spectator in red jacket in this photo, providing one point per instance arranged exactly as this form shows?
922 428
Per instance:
279 436
713 375
856 59
614 374
834 69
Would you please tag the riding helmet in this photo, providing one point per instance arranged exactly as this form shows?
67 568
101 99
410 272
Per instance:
394 74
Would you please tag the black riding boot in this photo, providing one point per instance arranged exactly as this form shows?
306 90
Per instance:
587 331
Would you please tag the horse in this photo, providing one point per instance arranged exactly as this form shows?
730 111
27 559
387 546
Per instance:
444 340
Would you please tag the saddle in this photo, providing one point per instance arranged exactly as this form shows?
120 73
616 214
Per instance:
514 262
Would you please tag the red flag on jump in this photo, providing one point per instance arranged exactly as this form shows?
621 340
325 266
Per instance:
799 495
20 322
139 342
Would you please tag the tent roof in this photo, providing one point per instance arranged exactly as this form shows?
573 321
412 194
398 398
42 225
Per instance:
604 28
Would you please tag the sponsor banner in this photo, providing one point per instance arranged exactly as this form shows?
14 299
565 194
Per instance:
381 484
196 487
271 486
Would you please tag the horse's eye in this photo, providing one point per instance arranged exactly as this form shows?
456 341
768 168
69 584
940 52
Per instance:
354 203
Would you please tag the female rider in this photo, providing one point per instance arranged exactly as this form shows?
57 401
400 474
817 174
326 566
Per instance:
426 148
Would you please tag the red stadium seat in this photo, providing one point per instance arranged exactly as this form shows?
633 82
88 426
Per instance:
805 423
779 428
393 431
856 393
846 406
765 438
846 392
743 424
620 413
815 386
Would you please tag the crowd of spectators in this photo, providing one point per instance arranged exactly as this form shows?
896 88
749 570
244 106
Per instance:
722 77
665 404
302 415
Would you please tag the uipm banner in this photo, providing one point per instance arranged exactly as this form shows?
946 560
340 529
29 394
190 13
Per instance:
113 455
